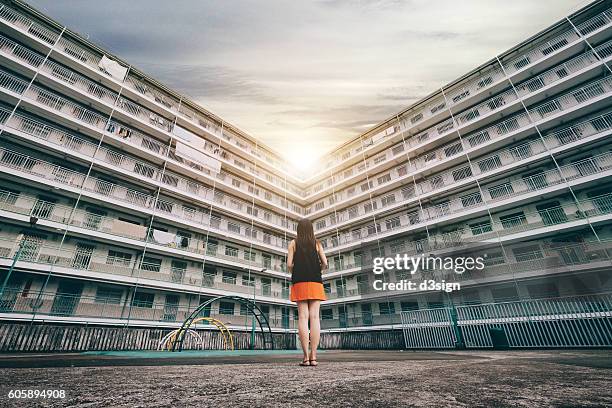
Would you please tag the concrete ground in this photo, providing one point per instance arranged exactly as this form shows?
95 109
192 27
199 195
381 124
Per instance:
342 379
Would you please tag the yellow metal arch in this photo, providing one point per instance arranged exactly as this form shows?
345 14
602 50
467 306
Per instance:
228 338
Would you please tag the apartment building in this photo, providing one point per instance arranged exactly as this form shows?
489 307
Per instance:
125 204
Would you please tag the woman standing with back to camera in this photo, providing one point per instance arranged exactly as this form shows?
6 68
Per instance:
305 261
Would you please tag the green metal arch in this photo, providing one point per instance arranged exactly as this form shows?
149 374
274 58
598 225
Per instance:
250 305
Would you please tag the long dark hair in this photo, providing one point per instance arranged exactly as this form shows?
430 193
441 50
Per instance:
305 241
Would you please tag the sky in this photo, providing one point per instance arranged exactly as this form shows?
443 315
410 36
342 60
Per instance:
305 76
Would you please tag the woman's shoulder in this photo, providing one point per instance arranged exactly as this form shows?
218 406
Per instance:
292 243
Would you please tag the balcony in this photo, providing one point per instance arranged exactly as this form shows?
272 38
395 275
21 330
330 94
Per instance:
499 162
46 255
72 53
112 160
71 307
463 93
533 86
192 217
549 258
405 176
113 229
529 224
126 136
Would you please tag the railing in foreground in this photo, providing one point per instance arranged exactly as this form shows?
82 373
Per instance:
577 321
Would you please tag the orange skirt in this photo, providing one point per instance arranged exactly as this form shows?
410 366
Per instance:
307 291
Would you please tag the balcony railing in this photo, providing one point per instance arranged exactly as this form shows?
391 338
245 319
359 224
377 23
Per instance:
493 163
47 253
89 221
516 124
185 214
128 135
548 258
63 305
475 86
564 214
136 168
425 160
163 100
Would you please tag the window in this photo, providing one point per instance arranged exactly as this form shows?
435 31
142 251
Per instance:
226 308
368 207
536 181
479 138
462 173
244 310
397 247
249 255
481 228
494 258
108 295
489 164
522 62
143 299
543 290
521 152
501 190
388 199
392 223
248 280
267 260
398 149
235 228
409 306
552 213
151 264
367 186
231 251
402 171
527 253
373 228
507 294
408 191
229 278
513 220
386 308
320 224
485 82
471 200
453 149
144 170
118 258
327 314
554 46
413 217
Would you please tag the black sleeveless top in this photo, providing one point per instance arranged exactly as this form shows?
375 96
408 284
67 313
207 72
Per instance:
306 267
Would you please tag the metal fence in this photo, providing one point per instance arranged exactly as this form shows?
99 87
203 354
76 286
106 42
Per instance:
573 322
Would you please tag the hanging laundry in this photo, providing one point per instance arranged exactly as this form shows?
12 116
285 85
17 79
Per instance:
112 68
163 237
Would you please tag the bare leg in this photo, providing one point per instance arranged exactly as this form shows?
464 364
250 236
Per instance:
303 326
315 327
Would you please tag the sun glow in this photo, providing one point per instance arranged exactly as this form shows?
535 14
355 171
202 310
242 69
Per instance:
303 159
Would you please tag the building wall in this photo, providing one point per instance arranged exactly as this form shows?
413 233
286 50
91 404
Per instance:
512 162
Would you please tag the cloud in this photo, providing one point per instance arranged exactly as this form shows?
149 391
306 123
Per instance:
291 71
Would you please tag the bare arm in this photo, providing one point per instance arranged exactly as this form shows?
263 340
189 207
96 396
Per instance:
290 253
322 256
